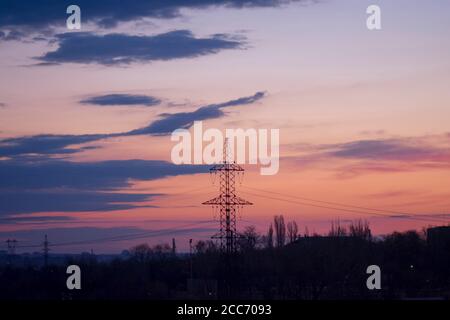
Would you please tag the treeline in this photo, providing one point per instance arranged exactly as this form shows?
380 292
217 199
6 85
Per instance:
282 263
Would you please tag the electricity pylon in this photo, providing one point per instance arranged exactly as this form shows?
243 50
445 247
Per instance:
227 201
46 250
11 246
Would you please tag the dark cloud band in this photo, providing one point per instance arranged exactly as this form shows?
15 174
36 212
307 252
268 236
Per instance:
122 100
45 14
122 49
183 120
16 202
47 145
64 186
103 175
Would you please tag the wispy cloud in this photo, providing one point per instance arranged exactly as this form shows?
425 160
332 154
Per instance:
183 120
53 144
11 35
395 194
27 219
354 158
391 149
45 144
121 100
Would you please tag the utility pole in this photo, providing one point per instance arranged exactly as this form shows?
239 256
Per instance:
46 250
174 247
227 201
11 246
190 257
11 249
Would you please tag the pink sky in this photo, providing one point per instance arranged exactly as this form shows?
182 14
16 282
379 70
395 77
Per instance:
363 115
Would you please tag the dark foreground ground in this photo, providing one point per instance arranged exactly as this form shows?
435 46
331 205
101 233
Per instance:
413 266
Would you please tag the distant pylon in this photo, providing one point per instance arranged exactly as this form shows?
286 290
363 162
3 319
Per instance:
11 246
174 247
227 201
46 250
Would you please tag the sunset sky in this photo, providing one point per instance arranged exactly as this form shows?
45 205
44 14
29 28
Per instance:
86 116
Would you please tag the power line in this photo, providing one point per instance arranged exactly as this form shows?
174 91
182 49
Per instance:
345 205
117 238
12 244
340 209
125 237
183 194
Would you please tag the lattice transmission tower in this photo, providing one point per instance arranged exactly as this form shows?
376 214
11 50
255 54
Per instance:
46 250
11 246
227 202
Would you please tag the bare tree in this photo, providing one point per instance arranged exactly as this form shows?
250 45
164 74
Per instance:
306 234
270 237
360 229
174 247
280 230
141 252
337 230
292 230
200 246
204 246
250 238
162 249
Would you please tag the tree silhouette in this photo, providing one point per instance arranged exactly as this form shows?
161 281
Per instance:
292 230
413 265
270 237
280 230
